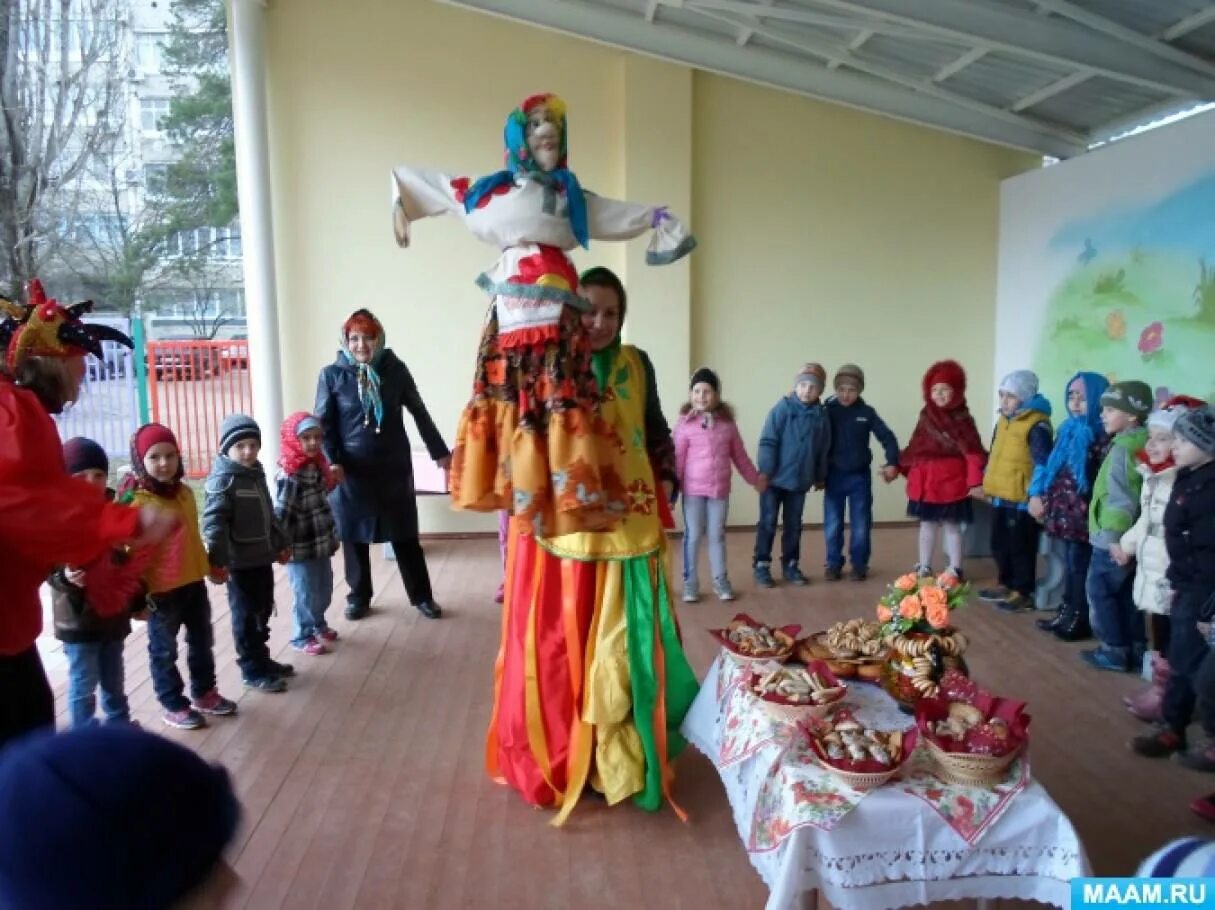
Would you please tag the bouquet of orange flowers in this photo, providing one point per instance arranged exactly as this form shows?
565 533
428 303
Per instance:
921 604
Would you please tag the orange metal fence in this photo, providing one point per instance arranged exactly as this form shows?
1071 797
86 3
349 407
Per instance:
192 387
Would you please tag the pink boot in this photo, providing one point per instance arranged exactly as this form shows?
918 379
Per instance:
1146 704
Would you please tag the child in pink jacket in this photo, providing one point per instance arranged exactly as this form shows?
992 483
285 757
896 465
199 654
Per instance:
707 447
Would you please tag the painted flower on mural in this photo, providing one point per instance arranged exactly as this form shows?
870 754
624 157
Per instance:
1151 340
1115 326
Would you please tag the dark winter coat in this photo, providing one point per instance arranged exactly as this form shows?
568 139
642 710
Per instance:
850 430
1189 532
376 502
239 529
794 445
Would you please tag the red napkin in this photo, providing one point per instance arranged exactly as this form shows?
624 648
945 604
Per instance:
985 739
723 638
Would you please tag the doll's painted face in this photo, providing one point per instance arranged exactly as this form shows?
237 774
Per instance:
310 441
160 461
702 397
1077 399
1159 445
941 394
543 137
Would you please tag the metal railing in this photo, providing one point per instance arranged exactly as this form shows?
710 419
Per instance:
107 410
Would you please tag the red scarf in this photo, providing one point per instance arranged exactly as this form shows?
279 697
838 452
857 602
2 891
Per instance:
1155 467
942 433
291 456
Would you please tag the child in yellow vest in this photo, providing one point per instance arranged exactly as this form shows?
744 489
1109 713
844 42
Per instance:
156 477
1020 445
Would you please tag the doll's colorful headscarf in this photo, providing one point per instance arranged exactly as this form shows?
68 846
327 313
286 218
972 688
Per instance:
519 160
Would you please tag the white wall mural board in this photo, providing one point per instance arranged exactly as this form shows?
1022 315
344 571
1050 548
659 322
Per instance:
1107 263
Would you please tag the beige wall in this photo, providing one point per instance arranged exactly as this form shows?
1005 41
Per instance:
825 233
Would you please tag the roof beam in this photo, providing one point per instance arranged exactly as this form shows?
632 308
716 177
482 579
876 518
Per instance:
956 66
1128 35
766 9
1061 43
744 35
1049 91
830 50
651 10
854 45
604 25
1188 24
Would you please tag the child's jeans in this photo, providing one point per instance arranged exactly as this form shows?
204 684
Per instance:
1112 612
1188 656
1014 545
703 517
852 490
772 502
251 601
93 664
312 587
1077 554
185 606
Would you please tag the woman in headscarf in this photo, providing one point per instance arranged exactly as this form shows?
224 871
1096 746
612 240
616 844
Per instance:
359 399
532 440
591 681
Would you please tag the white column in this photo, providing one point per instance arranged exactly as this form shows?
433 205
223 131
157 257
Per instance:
247 39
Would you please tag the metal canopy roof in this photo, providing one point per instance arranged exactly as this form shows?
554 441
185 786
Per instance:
1052 76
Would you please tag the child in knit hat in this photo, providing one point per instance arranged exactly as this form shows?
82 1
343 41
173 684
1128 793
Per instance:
113 817
302 507
93 644
707 445
1059 494
244 540
1114 508
794 446
181 600
1020 445
849 483
1144 545
1189 535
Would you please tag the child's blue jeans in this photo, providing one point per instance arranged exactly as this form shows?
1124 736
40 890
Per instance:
1111 604
186 606
772 502
312 587
852 490
93 664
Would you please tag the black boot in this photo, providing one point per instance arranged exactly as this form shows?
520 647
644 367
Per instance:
1074 626
1050 623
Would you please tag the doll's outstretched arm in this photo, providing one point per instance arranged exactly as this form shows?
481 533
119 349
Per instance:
418 193
611 219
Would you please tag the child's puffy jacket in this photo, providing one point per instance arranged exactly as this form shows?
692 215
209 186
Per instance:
705 455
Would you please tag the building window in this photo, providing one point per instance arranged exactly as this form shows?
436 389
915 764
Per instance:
156 179
151 112
149 47
216 243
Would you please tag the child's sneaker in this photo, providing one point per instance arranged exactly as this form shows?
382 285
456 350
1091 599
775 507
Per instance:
500 594
274 668
185 719
691 592
328 634
1199 759
994 595
923 571
310 646
794 576
1015 602
1204 807
1158 743
214 703
265 683
722 588
860 573
833 573
763 575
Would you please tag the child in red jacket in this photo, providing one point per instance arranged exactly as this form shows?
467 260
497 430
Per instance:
943 462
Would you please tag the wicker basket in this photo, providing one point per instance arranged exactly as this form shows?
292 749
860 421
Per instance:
860 780
792 713
968 770
746 660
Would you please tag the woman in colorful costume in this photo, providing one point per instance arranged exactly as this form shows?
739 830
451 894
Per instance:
47 517
591 681
531 440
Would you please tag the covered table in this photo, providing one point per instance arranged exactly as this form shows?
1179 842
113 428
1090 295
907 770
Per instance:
913 841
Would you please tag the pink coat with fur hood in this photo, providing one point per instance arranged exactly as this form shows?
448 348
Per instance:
705 456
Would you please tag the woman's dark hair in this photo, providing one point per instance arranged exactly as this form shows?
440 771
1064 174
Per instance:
603 277
722 410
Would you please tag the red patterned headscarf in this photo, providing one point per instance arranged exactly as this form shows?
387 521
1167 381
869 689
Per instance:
291 455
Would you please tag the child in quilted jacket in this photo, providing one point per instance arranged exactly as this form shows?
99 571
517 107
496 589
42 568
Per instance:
707 446
1144 545
943 462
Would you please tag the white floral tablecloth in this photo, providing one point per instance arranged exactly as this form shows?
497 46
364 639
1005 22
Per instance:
914 841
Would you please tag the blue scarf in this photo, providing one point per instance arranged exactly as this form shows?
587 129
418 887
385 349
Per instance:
1076 434
369 382
520 162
